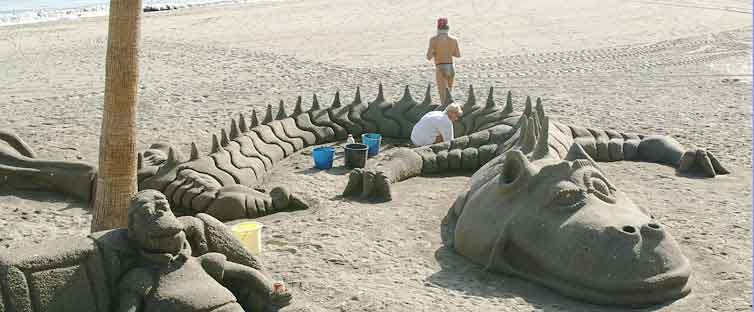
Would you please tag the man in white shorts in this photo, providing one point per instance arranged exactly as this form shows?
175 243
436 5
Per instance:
436 126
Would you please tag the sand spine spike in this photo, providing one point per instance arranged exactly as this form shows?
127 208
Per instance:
528 137
336 100
281 111
315 102
297 110
537 123
254 119
540 109
268 115
543 147
172 161
508 103
471 101
215 144
357 96
234 130
427 96
490 99
380 95
224 138
242 123
522 129
527 108
194 152
406 95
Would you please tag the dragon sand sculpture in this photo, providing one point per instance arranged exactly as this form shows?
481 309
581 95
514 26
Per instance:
538 206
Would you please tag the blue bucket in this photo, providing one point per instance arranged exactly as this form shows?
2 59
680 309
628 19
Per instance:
372 140
323 156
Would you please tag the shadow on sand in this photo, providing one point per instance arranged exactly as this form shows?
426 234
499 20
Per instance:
461 275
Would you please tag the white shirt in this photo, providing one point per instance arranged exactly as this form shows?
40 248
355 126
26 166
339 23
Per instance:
430 126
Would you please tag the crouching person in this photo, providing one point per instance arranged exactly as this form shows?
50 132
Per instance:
436 126
167 278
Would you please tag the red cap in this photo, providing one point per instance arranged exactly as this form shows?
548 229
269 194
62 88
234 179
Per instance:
442 22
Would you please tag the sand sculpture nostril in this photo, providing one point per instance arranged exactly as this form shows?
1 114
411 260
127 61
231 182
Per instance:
653 230
629 229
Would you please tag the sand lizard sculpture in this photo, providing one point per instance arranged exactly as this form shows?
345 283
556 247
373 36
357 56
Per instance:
538 206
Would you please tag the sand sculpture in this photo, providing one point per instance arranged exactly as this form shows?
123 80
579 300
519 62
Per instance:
160 263
221 183
539 207
561 223
487 131
20 168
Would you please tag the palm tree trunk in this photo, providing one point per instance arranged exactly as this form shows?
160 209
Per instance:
116 179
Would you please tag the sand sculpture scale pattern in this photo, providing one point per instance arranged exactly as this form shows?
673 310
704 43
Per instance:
528 171
533 172
222 183
219 183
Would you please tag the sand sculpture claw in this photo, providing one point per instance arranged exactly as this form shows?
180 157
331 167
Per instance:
368 184
699 160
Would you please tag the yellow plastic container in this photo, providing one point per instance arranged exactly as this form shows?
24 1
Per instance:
250 235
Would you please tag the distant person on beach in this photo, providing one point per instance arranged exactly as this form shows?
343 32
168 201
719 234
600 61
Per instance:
436 126
443 48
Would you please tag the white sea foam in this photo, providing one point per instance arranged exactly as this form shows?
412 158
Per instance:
34 11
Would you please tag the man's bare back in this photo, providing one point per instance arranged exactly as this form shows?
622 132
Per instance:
443 48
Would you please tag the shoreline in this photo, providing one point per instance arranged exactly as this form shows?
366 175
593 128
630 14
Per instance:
50 15
632 67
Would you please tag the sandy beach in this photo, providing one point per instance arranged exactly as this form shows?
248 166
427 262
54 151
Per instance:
678 68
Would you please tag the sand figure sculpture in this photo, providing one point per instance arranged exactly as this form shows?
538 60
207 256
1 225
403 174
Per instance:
515 151
221 183
168 278
201 263
488 131
540 208
552 217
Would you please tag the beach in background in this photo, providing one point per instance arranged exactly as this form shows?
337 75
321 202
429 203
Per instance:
668 67
13 12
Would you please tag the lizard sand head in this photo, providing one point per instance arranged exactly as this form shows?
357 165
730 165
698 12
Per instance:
563 224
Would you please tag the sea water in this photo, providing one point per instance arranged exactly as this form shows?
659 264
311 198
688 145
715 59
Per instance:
31 11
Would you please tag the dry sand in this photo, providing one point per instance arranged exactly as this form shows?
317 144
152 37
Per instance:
679 68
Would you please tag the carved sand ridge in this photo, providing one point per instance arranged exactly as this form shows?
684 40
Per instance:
221 182
528 171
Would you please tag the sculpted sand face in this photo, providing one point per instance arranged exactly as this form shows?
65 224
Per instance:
539 205
153 225
564 225
169 278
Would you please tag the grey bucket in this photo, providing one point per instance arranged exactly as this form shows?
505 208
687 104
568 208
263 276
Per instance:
356 155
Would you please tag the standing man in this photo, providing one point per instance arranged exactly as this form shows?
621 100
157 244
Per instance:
443 47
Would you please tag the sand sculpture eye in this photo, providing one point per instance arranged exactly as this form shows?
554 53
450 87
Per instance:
569 199
600 187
